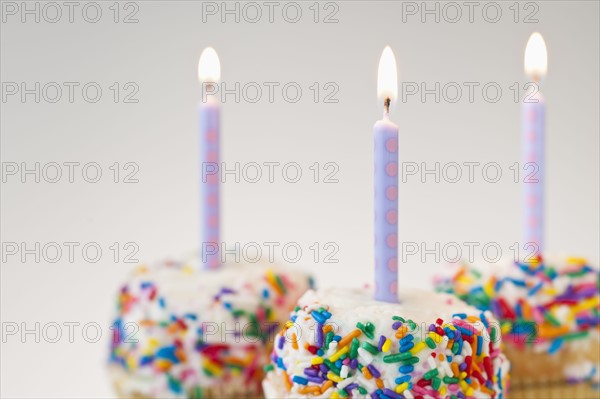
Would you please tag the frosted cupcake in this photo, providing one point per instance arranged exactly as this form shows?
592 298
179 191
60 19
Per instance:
183 332
342 343
549 315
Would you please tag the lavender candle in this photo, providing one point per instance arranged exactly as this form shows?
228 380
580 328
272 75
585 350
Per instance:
533 112
386 185
209 121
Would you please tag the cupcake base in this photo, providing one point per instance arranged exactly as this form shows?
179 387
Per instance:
551 391
572 362
128 386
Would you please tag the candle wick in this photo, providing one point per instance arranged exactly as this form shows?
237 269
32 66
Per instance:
536 78
386 105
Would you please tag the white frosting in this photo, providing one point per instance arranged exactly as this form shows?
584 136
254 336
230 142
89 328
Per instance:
194 291
354 305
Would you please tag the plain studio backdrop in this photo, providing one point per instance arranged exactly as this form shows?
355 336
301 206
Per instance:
118 92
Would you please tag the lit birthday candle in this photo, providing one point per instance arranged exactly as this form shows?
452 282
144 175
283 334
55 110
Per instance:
386 184
209 72
533 121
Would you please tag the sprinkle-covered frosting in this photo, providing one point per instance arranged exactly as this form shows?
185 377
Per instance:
341 343
184 332
540 304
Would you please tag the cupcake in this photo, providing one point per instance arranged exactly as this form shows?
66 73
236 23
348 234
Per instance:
549 313
184 332
342 343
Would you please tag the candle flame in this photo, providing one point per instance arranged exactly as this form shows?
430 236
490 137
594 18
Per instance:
387 76
536 57
209 66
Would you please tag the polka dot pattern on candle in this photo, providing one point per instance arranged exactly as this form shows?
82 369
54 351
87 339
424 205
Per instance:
209 184
532 173
386 209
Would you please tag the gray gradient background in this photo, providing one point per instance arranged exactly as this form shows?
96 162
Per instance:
159 133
